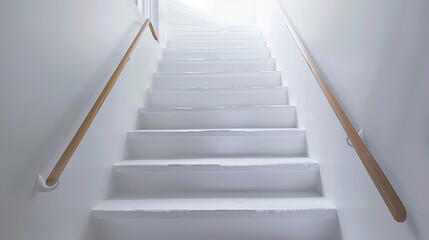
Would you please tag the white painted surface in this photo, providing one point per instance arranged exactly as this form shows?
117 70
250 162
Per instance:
240 52
209 29
216 183
216 164
238 218
55 59
216 143
216 178
213 97
215 229
215 43
215 65
193 176
275 218
216 208
262 116
374 55
217 79
215 35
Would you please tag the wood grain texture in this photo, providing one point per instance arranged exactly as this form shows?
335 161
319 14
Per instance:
377 175
74 143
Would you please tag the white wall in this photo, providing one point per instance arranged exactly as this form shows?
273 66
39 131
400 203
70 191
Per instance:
374 55
56 56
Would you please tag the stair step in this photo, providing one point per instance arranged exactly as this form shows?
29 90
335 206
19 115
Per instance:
171 28
260 116
211 30
215 177
190 23
303 218
216 164
225 53
213 97
186 18
216 43
215 35
217 79
200 143
215 65
308 207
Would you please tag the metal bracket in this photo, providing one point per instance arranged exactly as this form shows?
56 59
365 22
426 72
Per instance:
361 135
42 187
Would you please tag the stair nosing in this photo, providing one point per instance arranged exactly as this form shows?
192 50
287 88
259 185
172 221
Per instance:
224 132
220 108
218 89
157 74
221 49
301 207
218 60
216 165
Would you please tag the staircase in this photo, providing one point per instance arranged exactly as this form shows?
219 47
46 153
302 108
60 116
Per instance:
217 155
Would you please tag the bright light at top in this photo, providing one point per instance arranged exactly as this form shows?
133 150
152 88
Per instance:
200 4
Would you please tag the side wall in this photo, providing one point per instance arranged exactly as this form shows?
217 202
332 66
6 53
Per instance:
374 55
56 56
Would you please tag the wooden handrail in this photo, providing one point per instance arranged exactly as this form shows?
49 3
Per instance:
380 180
74 143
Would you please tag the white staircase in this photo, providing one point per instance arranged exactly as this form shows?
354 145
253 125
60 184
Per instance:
217 155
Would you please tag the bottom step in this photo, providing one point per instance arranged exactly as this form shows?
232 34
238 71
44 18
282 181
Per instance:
313 207
217 218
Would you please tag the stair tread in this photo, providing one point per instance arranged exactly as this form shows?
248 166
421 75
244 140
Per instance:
314 206
217 49
226 38
216 60
217 73
292 163
220 108
219 89
218 132
218 40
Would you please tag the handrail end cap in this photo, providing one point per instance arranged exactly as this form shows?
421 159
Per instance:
42 187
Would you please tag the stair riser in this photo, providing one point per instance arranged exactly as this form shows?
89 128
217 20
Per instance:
214 99
178 67
183 17
218 119
220 82
216 146
203 54
215 35
186 23
206 25
215 229
183 81
177 27
215 44
231 79
152 184
209 30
